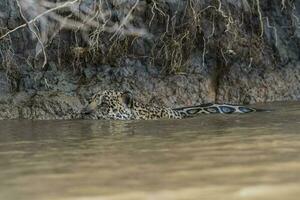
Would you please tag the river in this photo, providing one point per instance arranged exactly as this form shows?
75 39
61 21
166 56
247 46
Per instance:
250 156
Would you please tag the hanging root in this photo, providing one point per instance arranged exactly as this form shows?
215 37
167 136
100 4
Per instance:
165 32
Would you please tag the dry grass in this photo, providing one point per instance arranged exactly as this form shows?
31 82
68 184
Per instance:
108 30
7 55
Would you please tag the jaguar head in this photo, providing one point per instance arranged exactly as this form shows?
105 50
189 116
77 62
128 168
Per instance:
110 104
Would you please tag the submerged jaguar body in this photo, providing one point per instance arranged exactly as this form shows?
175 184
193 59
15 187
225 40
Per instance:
111 104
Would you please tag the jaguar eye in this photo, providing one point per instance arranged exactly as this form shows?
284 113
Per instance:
104 104
91 99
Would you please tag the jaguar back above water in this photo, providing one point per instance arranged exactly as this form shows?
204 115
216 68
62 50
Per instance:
118 105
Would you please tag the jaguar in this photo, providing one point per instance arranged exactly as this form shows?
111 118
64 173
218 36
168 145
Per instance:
121 105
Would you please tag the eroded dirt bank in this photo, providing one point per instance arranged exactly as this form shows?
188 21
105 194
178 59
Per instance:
235 52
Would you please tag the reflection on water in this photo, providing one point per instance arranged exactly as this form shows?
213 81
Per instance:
255 156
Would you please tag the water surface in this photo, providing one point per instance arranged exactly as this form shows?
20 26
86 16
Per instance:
253 156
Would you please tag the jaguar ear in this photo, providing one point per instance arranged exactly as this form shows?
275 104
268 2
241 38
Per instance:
127 99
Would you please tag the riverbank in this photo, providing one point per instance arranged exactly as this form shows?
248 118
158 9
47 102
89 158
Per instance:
189 53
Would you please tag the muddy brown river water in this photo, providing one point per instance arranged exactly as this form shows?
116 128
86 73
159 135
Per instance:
252 156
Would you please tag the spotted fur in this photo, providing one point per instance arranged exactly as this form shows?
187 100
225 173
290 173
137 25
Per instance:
117 105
